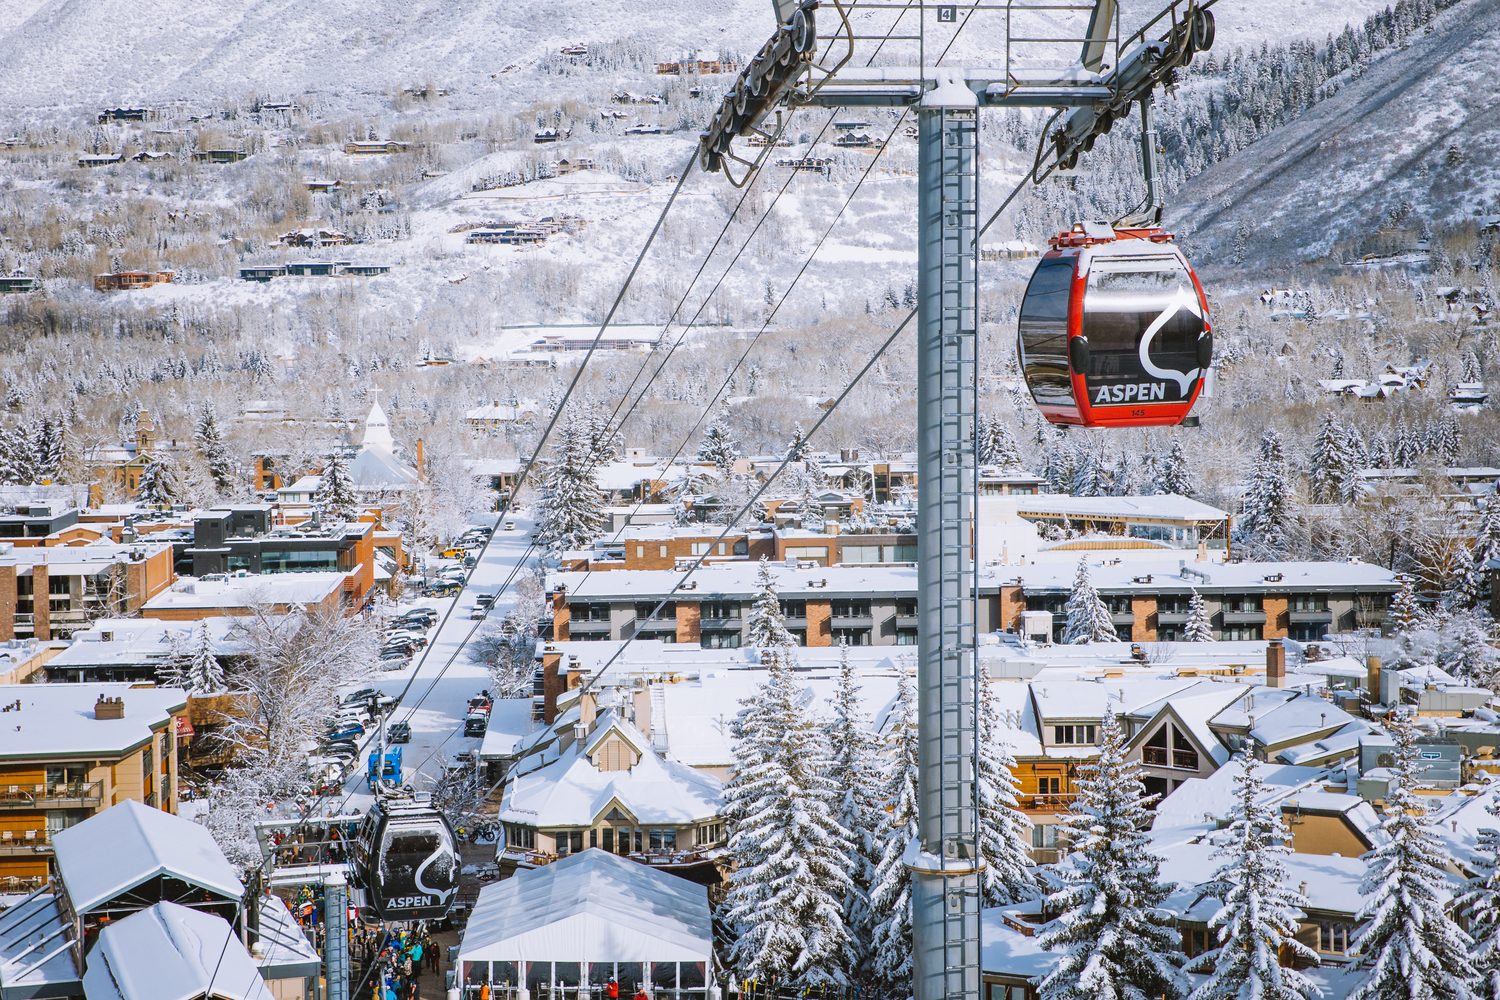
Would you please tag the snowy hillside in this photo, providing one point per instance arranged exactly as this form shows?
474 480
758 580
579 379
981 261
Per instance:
105 51
1421 128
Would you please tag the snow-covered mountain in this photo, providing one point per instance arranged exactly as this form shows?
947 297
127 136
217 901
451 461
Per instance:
82 52
1418 133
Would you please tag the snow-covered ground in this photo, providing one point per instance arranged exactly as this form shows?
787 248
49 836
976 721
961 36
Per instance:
441 678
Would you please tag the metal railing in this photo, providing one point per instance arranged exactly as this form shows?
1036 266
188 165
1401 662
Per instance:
13 842
1160 757
59 794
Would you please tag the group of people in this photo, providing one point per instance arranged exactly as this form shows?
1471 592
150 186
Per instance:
610 991
400 955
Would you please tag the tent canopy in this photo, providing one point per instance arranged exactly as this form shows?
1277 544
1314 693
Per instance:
125 845
590 907
169 952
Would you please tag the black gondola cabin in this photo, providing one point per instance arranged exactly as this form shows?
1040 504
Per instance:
1114 329
408 861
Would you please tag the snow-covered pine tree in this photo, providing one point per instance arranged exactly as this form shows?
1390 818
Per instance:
174 670
1172 472
856 770
1481 905
786 893
1408 944
335 495
1119 944
1122 478
1447 441
1408 448
1199 627
1260 916
1005 453
1406 612
890 896
1268 514
765 627
158 483
215 454
1088 615
204 674
1088 478
797 448
51 445
1487 534
719 447
1004 831
1332 465
570 508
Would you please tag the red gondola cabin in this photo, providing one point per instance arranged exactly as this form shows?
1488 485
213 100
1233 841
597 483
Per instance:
1114 329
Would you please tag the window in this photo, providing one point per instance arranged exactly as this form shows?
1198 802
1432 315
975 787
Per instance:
1307 633
1333 937
66 780
593 838
800 634
520 837
720 640
1242 633
808 552
609 839
1044 836
662 551
1049 785
57 585
588 612
906 637
1044 333
1243 602
702 548
298 561
1073 735
1050 602
853 636
1118 604
906 607
721 610
1194 941
644 611
663 840
794 609
1173 604
709 833
860 554
1307 602
851 608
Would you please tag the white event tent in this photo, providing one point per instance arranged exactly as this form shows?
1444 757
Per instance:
589 917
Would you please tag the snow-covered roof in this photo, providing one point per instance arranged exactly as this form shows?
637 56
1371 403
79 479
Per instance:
1163 507
377 468
1213 798
170 952
1195 706
247 591
129 843
1128 569
35 949
1282 716
590 907
1331 884
57 720
571 791
139 641
510 721
285 951
737 579
1063 700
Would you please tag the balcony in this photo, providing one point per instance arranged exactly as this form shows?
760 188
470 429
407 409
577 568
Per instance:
1172 617
1186 760
853 621
1244 617
18 843
907 621
720 624
58 795
1315 616
1045 802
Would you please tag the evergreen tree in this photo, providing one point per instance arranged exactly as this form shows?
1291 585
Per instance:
174 670
798 449
1088 615
1268 514
1408 945
50 448
215 454
719 447
1172 474
335 495
205 676
1004 831
1199 627
1122 478
1333 465
158 483
1406 613
765 627
786 893
1088 478
890 896
1408 449
570 508
856 770
1447 441
1119 944
1260 916
997 446
1481 904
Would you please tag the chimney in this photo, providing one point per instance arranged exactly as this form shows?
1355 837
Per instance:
109 708
1275 664
1372 677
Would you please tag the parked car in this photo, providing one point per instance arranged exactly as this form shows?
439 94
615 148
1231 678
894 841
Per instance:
417 639
479 614
362 695
399 732
338 730
400 657
476 723
510 526
480 703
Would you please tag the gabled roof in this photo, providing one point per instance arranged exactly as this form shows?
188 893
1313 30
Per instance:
610 722
171 952
592 907
127 844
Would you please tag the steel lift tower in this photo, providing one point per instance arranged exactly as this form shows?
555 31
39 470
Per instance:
1109 75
